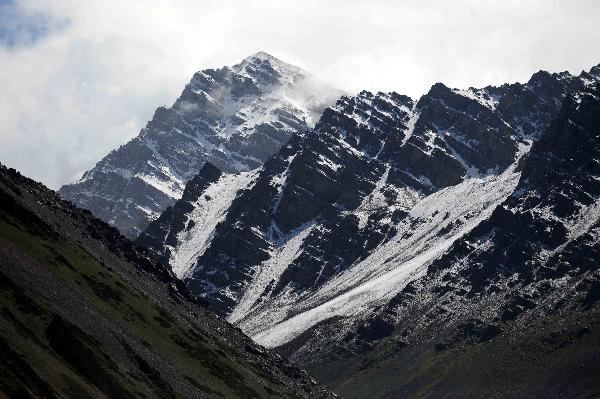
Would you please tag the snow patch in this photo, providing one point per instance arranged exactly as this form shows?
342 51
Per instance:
481 96
170 188
209 210
410 126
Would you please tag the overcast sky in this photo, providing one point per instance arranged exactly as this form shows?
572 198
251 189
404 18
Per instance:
79 78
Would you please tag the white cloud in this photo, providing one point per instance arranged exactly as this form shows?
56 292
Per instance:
96 78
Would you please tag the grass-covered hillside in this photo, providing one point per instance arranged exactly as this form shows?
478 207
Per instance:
85 313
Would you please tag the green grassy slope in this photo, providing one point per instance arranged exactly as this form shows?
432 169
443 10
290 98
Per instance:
86 313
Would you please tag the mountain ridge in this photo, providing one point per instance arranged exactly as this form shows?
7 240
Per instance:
346 188
400 230
84 312
512 306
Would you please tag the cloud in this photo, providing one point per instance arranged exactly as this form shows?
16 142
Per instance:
20 26
81 78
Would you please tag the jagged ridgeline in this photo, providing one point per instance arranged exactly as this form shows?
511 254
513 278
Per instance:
333 250
234 117
85 313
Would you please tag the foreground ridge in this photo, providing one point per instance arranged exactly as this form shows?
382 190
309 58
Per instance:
84 312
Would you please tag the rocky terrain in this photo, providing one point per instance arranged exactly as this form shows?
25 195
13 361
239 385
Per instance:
235 117
399 235
509 310
86 313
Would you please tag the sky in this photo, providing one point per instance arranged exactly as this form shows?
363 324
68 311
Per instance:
79 78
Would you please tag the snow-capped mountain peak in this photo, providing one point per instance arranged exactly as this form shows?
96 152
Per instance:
266 70
234 117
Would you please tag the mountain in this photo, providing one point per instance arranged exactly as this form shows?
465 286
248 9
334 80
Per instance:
510 309
311 253
86 313
347 187
234 117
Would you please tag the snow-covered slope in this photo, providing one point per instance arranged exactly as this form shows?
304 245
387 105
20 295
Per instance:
343 217
209 210
427 232
235 117
182 232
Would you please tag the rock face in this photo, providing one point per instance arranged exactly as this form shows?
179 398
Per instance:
84 312
511 307
234 117
345 216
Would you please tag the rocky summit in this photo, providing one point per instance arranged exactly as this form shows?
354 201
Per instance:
399 234
233 117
